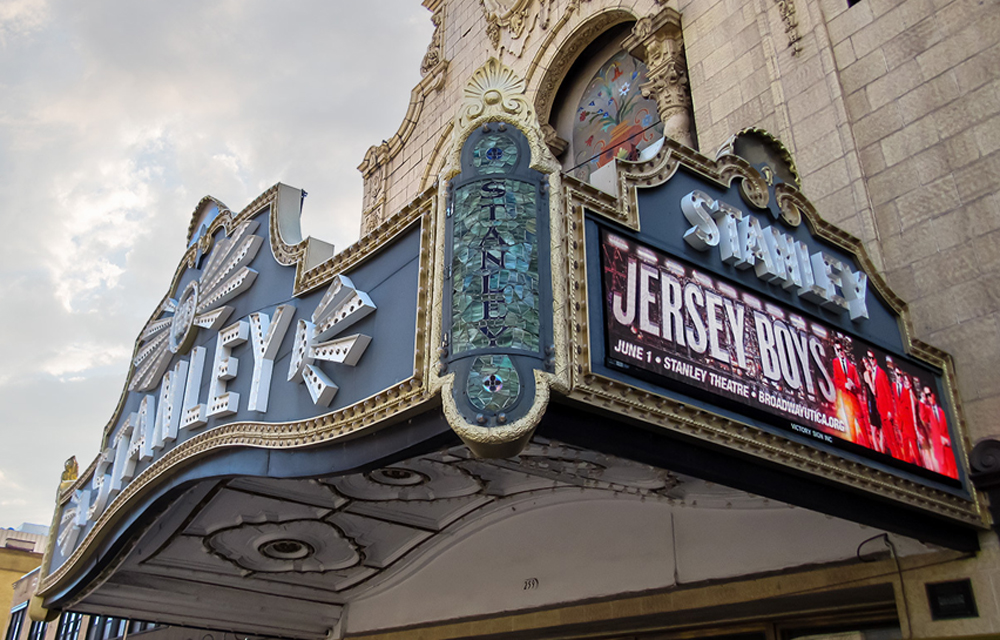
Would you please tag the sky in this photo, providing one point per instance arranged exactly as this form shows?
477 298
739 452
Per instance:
116 118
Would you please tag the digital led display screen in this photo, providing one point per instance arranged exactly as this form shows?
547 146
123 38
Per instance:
667 321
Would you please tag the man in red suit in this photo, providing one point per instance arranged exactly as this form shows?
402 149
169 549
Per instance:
940 440
880 413
906 416
848 386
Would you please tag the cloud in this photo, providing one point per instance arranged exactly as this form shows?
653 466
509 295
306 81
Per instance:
82 357
7 485
21 18
116 117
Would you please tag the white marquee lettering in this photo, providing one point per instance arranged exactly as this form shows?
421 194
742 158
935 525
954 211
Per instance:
121 444
776 257
699 208
168 415
146 423
221 402
100 486
341 306
194 414
266 335
728 218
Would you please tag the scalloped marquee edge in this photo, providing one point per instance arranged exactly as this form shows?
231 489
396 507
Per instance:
315 266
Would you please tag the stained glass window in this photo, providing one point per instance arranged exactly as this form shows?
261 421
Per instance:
495 265
495 153
493 384
613 120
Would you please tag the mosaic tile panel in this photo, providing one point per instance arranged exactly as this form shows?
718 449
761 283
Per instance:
493 383
613 120
495 266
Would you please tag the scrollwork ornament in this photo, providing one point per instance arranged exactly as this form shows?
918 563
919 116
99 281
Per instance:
71 471
789 202
517 21
643 27
753 188
434 53
493 31
545 13
505 14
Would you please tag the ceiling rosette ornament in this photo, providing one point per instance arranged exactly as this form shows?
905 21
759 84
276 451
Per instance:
278 547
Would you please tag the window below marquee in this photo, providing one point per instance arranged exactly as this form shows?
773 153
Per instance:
15 624
69 626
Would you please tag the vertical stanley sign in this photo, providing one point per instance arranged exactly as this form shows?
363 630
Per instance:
497 319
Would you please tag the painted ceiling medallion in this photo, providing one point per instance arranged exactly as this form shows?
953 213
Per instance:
201 305
275 547
418 479
397 477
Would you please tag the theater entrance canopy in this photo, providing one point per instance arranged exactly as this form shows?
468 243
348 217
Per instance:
517 392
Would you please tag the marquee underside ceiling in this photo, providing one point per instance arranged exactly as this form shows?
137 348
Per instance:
559 523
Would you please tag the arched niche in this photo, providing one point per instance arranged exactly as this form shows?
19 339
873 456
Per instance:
601 112
589 100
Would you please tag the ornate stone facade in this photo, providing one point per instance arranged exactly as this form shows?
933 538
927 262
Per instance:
867 129
660 41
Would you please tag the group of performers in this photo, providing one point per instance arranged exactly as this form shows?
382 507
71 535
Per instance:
890 411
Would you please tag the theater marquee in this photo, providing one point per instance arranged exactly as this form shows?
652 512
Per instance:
677 325
702 321
721 307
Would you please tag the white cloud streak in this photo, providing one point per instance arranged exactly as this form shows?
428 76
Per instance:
116 117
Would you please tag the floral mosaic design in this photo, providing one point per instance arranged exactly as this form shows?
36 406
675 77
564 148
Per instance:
495 153
495 266
493 383
613 120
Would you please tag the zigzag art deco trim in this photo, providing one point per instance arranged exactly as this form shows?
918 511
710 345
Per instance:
388 406
638 404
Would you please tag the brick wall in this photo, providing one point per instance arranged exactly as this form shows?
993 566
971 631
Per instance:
921 80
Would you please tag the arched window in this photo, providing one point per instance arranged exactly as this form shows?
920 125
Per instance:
613 119
599 110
